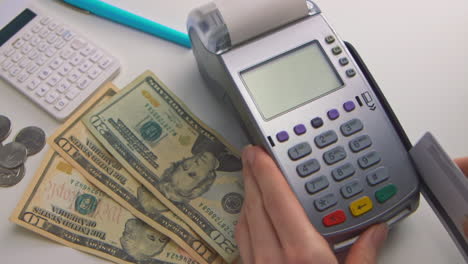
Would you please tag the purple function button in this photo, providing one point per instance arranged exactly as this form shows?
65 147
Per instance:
333 114
300 129
349 106
282 136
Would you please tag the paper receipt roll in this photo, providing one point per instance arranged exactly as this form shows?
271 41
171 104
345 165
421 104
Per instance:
246 19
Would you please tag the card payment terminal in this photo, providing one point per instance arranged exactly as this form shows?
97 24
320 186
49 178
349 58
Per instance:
309 100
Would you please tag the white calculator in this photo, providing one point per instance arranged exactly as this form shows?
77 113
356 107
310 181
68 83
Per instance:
48 61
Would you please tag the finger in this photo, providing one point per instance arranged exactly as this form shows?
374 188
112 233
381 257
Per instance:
463 164
265 244
243 239
287 215
365 250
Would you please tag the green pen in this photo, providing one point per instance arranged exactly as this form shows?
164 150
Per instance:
124 17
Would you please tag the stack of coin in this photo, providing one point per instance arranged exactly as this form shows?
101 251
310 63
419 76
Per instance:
29 141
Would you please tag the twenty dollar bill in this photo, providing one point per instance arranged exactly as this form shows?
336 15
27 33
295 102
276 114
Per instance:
62 205
78 147
185 164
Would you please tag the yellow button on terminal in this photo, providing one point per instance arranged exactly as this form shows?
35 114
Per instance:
361 206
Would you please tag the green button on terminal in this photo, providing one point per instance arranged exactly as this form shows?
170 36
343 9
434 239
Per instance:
385 193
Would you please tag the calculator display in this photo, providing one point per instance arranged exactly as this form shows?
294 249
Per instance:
16 25
291 79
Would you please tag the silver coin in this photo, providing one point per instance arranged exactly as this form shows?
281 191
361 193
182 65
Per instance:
33 138
10 177
12 155
5 127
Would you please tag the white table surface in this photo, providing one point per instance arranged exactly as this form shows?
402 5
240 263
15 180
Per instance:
416 50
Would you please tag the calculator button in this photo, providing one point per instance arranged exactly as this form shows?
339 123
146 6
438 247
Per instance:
300 129
63 86
23 77
377 176
65 69
35 41
17 57
342 172
51 97
26 48
83 82
33 83
53 25
360 143
368 160
6 65
316 122
42 90
105 62
351 127
94 72
61 104
333 114
33 54
42 46
334 155
24 63
41 60
72 93
335 218
349 106
60 44
385 193
325 139
299 151
325 202
32 68
46 72
45 20
54 79
282 136
18 43
2 58
77 44
316 184
351 189
50 52
52 39
15 71
36 28
77 59
361 206
8 52
344 61
68 35
337 50
85 66
74 75
330 39
60 30
88 50
308 167
96 56
66 54
350 73
44 33
56 63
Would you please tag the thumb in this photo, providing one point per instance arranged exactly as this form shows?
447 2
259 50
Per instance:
366 248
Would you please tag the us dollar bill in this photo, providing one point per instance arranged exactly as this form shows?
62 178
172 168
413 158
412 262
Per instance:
79 147
185 164
62 205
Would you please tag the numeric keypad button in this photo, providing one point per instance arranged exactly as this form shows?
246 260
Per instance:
351 189
377 176
369 160
351 127
334 155
325 202
360 143
317 184
326 139
342 172
299 151
307 168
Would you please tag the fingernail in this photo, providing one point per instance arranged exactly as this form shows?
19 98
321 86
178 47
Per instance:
248 155
380 234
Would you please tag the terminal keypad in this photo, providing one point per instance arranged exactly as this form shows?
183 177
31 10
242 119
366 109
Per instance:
352 163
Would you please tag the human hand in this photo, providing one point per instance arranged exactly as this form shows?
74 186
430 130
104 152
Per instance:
273 227
463 164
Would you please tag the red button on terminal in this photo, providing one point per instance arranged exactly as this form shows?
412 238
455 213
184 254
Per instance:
334 218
